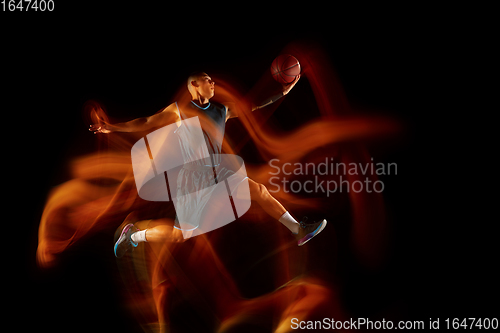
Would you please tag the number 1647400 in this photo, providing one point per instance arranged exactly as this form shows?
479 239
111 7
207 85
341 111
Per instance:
27 5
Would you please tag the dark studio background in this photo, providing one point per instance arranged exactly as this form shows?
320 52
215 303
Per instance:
441 256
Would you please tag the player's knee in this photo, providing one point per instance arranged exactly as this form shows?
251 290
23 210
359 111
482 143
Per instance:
258 191
263 192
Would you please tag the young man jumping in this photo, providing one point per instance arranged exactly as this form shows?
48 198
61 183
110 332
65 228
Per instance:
202 89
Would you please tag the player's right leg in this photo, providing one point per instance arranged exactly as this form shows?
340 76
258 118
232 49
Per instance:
129 234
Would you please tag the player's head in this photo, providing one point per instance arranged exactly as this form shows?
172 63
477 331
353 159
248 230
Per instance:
200 84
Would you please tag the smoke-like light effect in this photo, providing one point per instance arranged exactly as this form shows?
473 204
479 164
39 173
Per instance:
163 278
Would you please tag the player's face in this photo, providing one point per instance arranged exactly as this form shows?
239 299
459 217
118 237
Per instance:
206 87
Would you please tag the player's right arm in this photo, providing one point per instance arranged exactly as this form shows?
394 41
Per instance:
167 116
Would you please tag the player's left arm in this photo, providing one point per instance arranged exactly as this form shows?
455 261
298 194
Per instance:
232 112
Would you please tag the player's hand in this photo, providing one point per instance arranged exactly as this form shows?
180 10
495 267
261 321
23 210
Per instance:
99 128
288 87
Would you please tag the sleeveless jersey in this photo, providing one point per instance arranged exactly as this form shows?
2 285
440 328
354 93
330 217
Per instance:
213 121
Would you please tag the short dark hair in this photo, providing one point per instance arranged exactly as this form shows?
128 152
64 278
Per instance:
193 76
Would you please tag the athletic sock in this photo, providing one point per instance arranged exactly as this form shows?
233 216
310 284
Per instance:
139 236
288 221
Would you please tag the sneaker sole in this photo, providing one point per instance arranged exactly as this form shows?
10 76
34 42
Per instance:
122 236
315 233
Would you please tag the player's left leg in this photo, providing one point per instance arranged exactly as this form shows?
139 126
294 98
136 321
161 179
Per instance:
304 231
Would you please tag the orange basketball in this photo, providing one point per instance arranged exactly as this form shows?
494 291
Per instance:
285 68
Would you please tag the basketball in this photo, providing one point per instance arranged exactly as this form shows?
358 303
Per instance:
285 68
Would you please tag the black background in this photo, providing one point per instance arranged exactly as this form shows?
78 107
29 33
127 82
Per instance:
424 66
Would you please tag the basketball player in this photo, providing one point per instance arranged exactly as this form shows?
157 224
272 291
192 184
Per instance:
202 89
